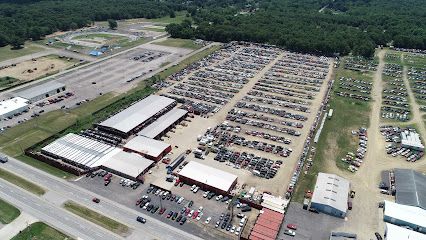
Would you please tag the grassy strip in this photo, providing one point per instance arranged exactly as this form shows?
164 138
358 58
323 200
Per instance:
180 43
21 182
180 16
41 231
97 218
154 29
8 213
7 52
336 139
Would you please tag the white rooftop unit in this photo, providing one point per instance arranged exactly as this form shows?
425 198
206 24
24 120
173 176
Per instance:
411 140
209 176
81 151
138 113
393 232
12 106
147 146
162 123
130 164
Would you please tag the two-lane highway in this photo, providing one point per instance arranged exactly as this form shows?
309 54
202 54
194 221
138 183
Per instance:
67 190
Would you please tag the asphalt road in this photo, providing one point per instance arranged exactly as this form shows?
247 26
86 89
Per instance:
60 190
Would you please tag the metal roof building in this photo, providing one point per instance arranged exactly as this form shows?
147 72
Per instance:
13 106
163 123
403 215
78 150
129 165
41 91
393 232
331 195
410 139
208 178
133 117
148 147
410 188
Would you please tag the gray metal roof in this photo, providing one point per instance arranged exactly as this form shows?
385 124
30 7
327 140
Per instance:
161 124
37 90
131 164
410 188
331 190
138 113
147 146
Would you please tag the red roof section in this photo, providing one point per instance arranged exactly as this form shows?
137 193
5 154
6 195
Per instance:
267 225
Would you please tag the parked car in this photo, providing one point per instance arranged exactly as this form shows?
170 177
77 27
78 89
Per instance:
378 236
290 233
141 219
208 220
292 226
96 200
182 221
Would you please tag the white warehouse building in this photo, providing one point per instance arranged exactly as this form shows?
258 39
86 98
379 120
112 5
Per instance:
13 106
41 91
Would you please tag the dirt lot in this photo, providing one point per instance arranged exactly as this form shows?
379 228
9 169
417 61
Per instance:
32 69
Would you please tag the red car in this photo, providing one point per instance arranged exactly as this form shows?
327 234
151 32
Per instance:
108 177
96 200
194 216
292 226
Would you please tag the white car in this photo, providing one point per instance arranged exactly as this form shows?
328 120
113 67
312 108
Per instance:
193 187
180 200
206 194
290 232
237 232
196 189
219 197
199 216
208 220
190 213
233 229
200 209
146 205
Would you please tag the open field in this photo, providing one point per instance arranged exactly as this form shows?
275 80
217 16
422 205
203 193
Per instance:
336 138
37 68
154 29
7 53
41 231
8 213
21 182
181 43
96 218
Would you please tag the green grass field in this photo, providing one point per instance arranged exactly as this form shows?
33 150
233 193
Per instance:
180 16
181 43
7 53
336 138
155 29
6 82
97 218
21 182
41 231
8 213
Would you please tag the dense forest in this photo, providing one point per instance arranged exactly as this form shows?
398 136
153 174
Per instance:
32 19
315 26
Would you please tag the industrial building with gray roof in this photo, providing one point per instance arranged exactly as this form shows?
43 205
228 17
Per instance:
138 115
38 92
410 188
163 123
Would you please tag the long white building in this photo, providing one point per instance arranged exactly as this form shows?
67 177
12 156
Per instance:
13 106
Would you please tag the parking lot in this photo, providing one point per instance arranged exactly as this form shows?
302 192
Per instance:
117 74
128 196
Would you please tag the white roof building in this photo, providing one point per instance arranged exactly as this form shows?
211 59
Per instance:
129 164
393 232
208 176
12 106
331 190
404 215
138 113
411 140
38 92
147 146
162 123
277 204
78 150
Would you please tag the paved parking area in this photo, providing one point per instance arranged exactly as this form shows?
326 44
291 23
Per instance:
310 226
128 197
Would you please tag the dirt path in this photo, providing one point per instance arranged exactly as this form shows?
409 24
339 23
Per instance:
415 108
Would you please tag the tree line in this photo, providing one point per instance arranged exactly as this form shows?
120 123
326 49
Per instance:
21 20
326 27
